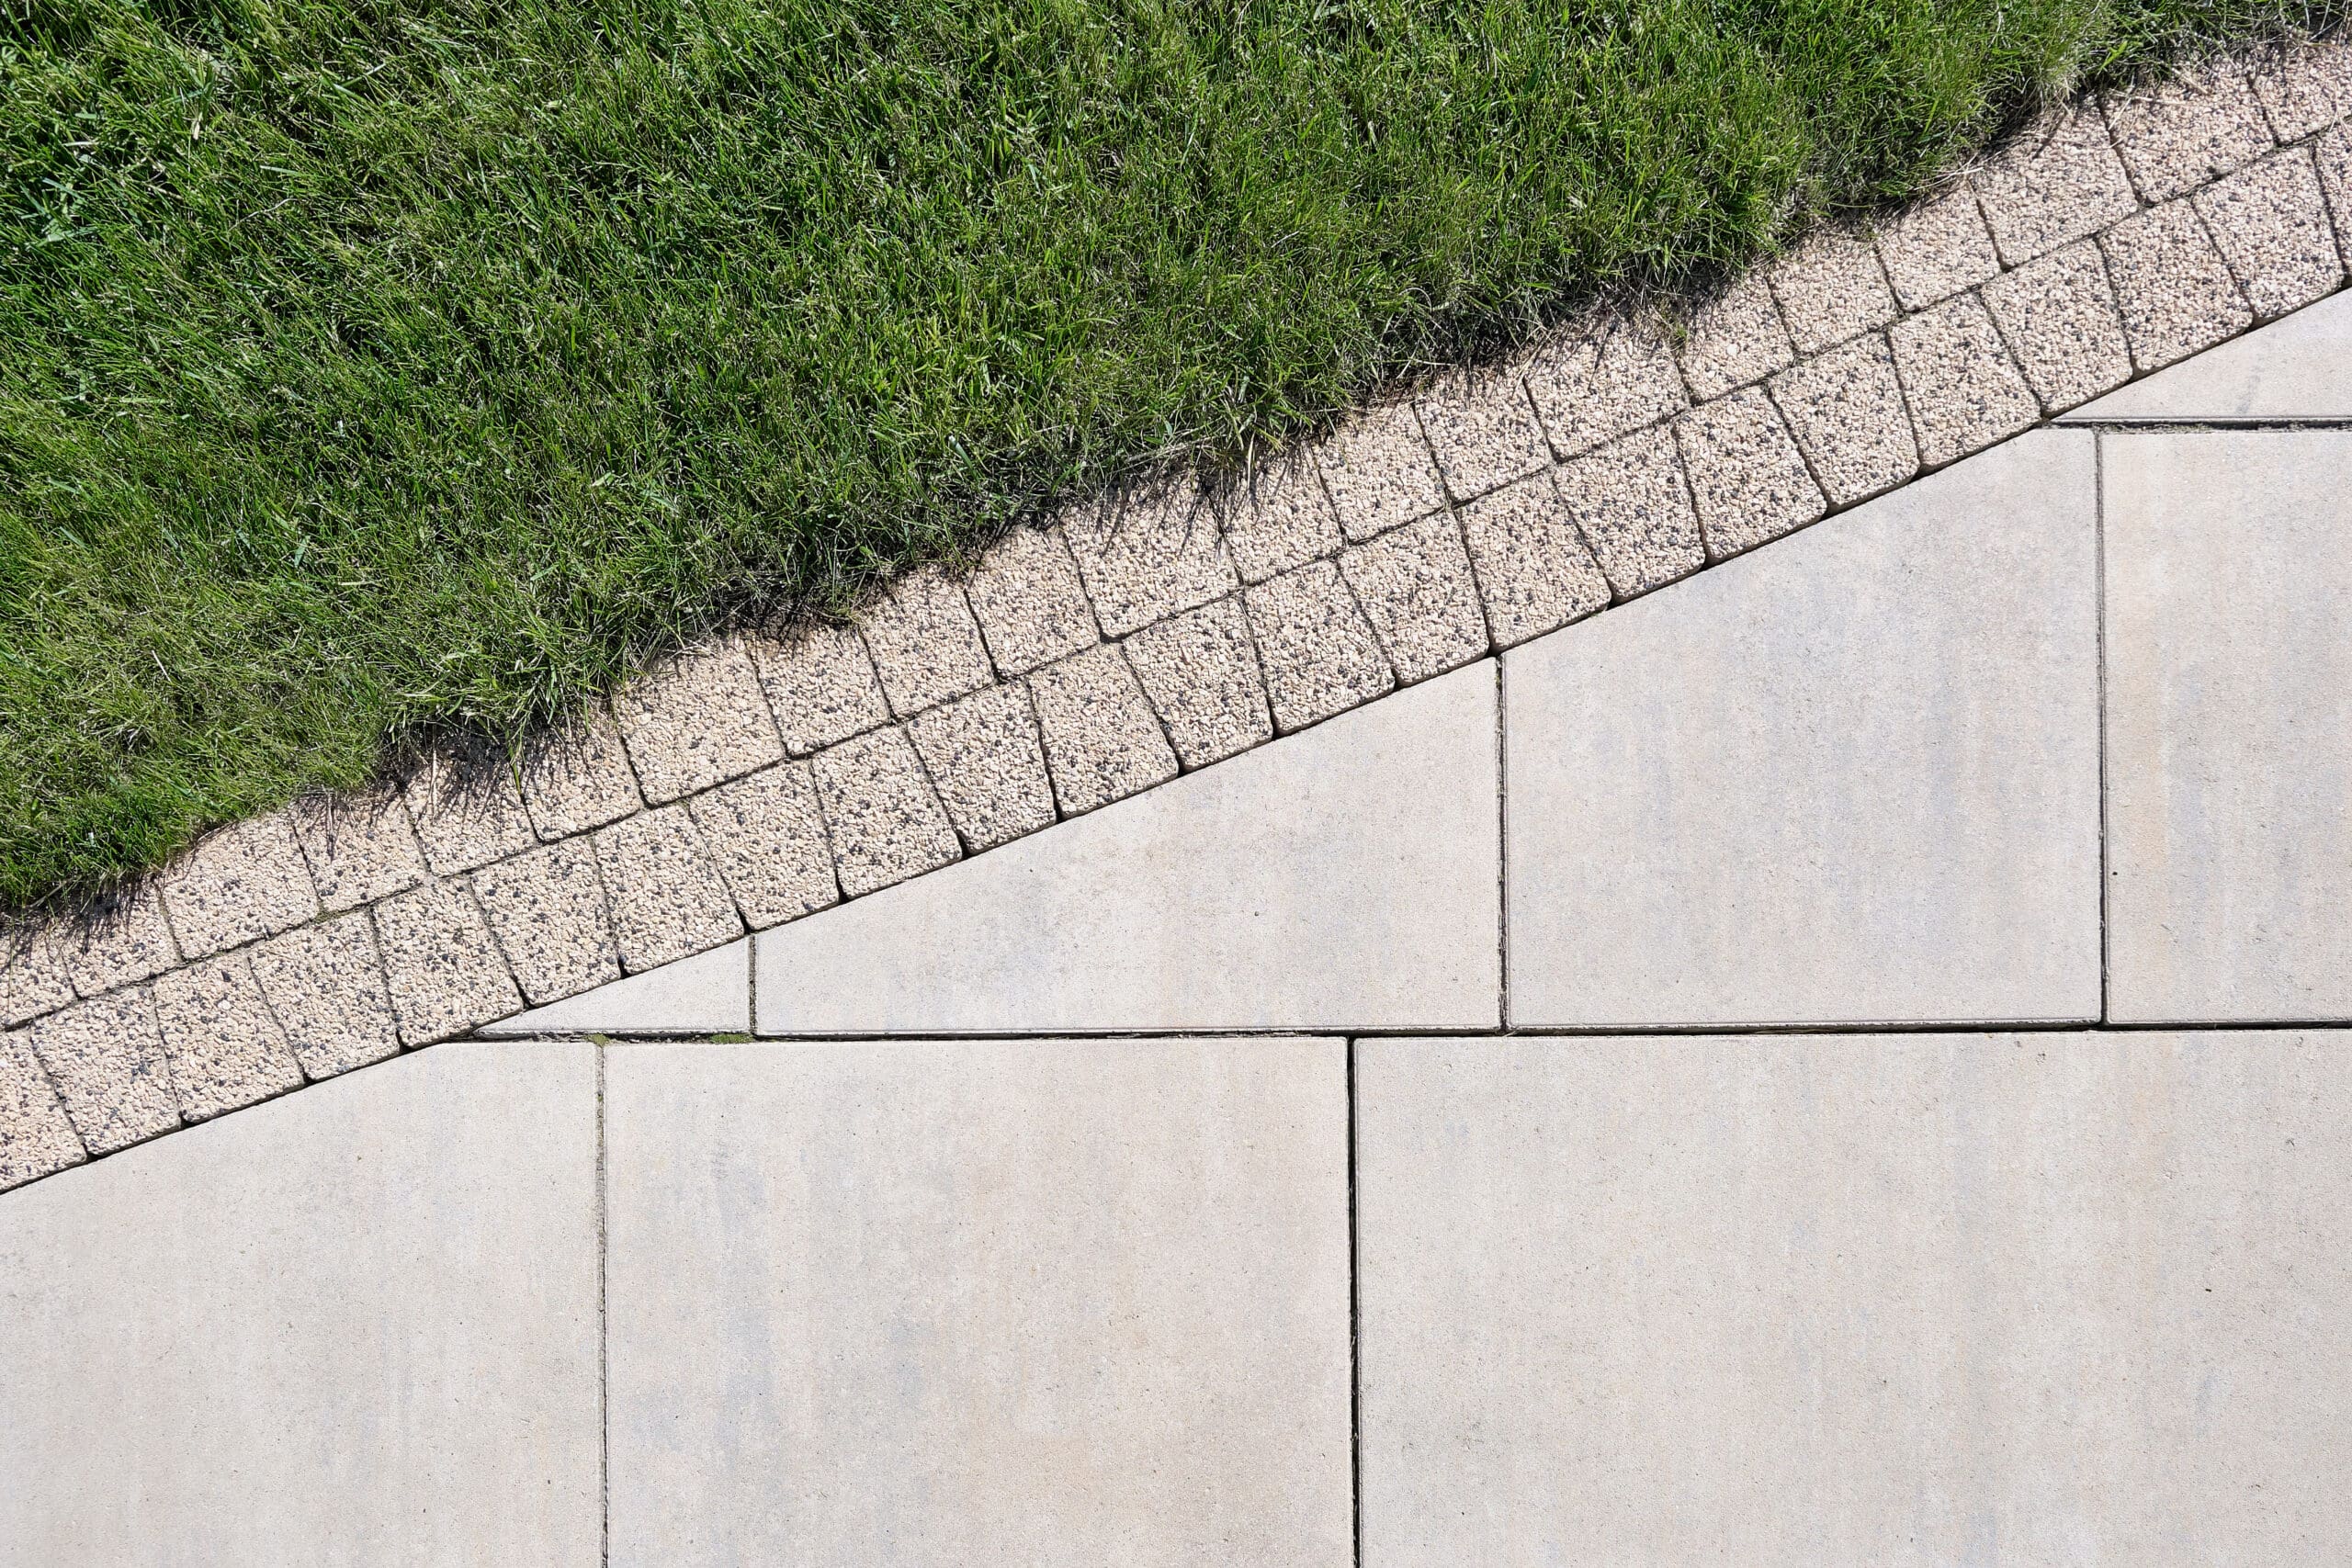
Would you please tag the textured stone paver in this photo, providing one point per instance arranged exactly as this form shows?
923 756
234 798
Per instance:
1642 1300
767 835
1534 570
1377 470
1030 603
2057 314
926 646
359 1325
1415 586
1319 652
1482 432
1937 248
2175 289
36 1137
1747 479
580 779
1846 410
884 819
466 817
819 685
2229 580
1143 558
2059 181
224 1042
708 994
1280 519
1264 888
1200 672
698 721
1596 383
1039 1302
32 973
1735 339
121 941
1634 507
984 755
2176 134
248 880
1831 289
667 898
1103 743
2271 224
2304 88
441 966
1855 779
2290 369
1965 391
359 850
325 986
548 913
107 1065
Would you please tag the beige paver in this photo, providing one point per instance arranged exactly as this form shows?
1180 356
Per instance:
1482 430
697 721
546 909
360 848
467 812
2057 182
224 1045
1280 519
1102 742
1030 603
884 821
325 985
107 1065
1377 470
819 683
1846 410
1601 379
1965 391
1318 652
983 754
580 778
1747 479
118 940
666 897
2058 315
1200 672
441 966
926 646
247 880
2175 289
2177 134
32 971
2290 369
1415 587
2271 224
37 1138
1830 288
1144 557
1533 569
767 835
1735 338
1634 507
1936 248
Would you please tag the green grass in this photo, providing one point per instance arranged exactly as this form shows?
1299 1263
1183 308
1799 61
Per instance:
372 368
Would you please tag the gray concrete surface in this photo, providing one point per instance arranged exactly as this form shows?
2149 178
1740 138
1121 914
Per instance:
2294 368
708 994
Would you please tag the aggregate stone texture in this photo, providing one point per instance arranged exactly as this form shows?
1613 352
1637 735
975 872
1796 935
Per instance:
1533 569
2335 153
121 940
885 822
108 1064
580 779
1846 410
984 755
1200 672
1319 652
2058 314
2176 134
441 966
1102 742
697 721
37 1138
1634 507
926 646
32 974
1735 338
2289 372
2304 86
667 898
1030 603
1599 380
1148 556
820 685
767 835
2175 289
466 817
1377 471
546 909
1830 290
1482 431
2058 182
327 987
224 1045
247 880
1415 586
1965 391
360 848
1280 519
1747 479
1937 248
2271 224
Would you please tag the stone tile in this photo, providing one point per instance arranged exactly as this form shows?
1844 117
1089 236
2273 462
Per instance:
358 1325
37 1139
119 940
1317 650
1144 558
1377 470
326 986
467 815
1642 1300
107 1065
2175 289
2176 134
1936 249
1533 569
1260 894
1747 479
1633 506
1280 519
1602 379
1830 290
224 1045
820 685
2058 315
546 909
1965 392
1853 778
360 848
2334 152
1079 1301
709 993
984 757
1846 410
2057 182
2304 86
926 646
1102 742
885 822
1735 339
2289 370
2228 726
767 835
1200 672
697 721
1482 430
32 973
1030 603
440 964
2270 222
1413 586
580 778
666 897
244 881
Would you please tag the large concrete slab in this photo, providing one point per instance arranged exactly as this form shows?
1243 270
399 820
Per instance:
353 1327
1850 779
2294 368
1341 878
1872 1299
1051 1303
2229 724
708 994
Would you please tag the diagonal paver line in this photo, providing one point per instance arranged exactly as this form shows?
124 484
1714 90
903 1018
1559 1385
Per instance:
757 779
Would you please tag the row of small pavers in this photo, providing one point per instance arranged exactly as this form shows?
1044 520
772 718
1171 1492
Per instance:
758 779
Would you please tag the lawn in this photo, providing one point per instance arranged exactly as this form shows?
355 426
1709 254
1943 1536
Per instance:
369 369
